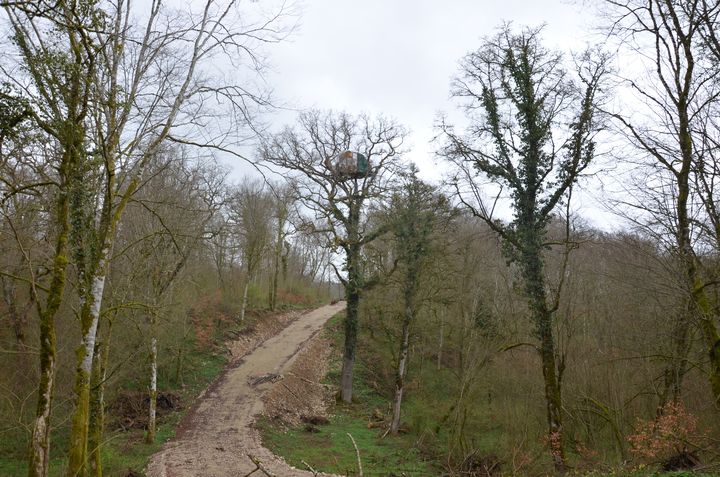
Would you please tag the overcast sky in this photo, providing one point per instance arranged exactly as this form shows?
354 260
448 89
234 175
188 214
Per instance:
397 57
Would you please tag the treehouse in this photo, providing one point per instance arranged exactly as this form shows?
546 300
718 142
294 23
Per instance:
348 165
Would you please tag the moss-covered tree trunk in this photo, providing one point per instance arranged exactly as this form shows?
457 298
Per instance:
703 308
706 316
97 389
402 365
89 320
542 316
97 271
72 138
352 296
39 452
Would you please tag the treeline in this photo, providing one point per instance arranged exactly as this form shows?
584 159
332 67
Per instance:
126 251
518 342
193 253
474 391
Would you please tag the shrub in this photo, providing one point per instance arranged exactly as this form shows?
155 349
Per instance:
665 436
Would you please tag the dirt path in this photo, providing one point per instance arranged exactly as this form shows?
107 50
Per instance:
220 437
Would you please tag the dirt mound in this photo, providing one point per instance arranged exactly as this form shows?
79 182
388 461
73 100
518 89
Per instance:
259 331
130 409
300 396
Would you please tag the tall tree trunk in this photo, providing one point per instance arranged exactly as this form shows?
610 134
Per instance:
352 294
39 453
150 435
706 315
276 263
244 300
39 457
95 433
89 318
97 403
400 372
696 286
543 318
351 328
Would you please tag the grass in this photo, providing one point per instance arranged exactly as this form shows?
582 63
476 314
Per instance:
329 448
422 451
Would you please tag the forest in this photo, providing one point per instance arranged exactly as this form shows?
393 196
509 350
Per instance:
490 327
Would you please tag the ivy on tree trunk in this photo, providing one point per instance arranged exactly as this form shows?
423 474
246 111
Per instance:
532 133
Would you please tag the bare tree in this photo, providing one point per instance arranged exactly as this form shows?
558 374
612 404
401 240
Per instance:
251 211
336 200
283 201
57 95
532 130
180 202
142 86
671 38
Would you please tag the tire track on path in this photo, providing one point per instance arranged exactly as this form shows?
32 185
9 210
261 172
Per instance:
220 435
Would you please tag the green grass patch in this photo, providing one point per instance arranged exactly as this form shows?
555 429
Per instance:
329 448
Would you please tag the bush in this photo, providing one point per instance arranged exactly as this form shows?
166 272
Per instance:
665 437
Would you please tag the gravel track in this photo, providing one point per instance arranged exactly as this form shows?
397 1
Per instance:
218 437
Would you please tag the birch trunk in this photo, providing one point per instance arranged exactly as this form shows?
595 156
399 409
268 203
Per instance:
150 436
97 416
90 317
244 300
